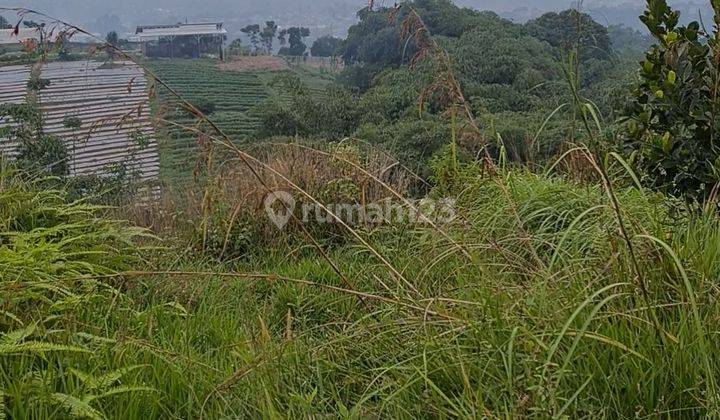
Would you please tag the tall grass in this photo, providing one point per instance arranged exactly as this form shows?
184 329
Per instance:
545 327
546 297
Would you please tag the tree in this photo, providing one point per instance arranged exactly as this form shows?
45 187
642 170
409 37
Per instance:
253 31
672 128
37 151
268 36
625 39
571 29
238 48
111 39
296 45
4 24
326 46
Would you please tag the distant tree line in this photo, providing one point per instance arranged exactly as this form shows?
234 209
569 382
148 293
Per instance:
512 75
260 40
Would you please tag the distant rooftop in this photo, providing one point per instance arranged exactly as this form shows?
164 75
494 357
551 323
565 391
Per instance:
180 29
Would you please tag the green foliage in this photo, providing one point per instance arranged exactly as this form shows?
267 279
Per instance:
45 153
331 116
238 48
72 122
37 150
325 46
509 76
544 298
412 142
671 116
47 244
253 32
38 84
113 40
629 39
236 345
504 72
62 46
376 43
295 39
572 30
267 36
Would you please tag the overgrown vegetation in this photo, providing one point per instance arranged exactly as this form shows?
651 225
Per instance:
672 112
569 284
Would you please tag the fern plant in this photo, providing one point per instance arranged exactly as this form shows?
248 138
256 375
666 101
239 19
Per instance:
96 388
14 343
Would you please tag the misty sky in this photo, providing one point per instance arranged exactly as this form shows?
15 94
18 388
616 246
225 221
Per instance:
322 16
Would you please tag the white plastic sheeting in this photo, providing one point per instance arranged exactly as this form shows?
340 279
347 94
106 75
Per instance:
111 102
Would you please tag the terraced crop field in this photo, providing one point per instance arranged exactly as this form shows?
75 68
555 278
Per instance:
237 97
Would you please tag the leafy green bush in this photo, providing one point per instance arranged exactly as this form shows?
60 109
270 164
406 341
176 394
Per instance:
37 150
331 116
672 123
37 84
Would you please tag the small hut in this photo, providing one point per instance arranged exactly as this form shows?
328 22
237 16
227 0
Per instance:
183 40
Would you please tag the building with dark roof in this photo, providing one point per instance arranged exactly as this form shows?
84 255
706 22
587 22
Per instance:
182 40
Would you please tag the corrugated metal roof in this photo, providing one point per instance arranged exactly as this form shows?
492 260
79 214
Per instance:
111 103
181 29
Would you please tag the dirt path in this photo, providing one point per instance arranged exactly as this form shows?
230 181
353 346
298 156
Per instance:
254 63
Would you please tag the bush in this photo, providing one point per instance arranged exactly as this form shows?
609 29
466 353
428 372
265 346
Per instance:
204 105
37 150
672 126
325 46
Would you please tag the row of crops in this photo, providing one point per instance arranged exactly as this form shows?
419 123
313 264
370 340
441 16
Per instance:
235 97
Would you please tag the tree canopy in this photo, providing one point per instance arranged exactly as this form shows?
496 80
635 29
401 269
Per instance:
571 29
253 33
294 37
267 36
512 76
325 46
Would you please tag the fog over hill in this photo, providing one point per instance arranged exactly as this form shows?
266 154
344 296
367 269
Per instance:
322 16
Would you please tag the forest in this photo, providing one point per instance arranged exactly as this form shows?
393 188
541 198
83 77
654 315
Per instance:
467 217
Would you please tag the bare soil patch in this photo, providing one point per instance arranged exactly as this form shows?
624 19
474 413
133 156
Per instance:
254 63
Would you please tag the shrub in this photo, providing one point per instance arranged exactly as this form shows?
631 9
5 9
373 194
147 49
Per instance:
37 150
205 106
671 116
37 84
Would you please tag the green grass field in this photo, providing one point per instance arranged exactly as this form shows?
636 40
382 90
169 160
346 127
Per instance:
545 317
